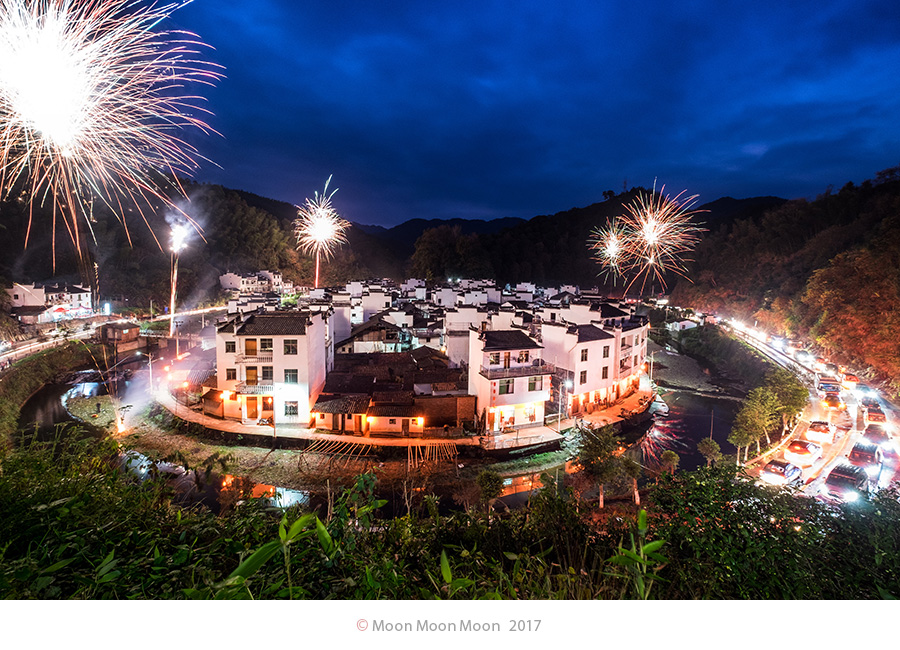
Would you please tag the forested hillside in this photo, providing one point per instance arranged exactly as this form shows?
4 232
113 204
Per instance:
828 269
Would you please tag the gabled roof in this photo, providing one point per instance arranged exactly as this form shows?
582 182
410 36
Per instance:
608 311
347 405
591 333
508 340
274 324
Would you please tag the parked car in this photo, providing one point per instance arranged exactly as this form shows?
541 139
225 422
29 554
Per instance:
877 435
802 452
850 381
868 456
869 401
875 414
833 402
846 483
819 431
781 472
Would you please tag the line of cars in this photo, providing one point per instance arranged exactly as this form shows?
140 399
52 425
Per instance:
854 476
864 468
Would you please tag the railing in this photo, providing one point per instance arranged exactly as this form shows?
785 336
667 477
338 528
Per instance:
263 387
259 357
518 371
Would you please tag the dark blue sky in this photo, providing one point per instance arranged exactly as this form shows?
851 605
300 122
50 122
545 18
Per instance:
486 109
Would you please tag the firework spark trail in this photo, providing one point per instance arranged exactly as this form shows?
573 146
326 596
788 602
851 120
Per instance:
92 101
649 240
179 237
319 229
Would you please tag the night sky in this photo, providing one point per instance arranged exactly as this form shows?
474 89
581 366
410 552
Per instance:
488 109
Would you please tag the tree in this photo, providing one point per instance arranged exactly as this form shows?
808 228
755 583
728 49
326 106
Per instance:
743 433
711 451
598 455
792 395
668 461
632 469
764 411
490 485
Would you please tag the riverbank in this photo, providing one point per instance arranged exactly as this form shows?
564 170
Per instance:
26 377
675 371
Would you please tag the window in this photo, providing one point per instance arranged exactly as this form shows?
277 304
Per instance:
584 354
267 373
265 345
494 358
392 420
506 386
582 378
230 374
605 372
523 356
290 346
290 408
606 352
535 383
230 347
321 416
290 376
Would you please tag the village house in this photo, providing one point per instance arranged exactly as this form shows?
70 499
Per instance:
509 377
272 365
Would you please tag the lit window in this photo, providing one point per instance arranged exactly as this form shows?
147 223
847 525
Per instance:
290 346
290 376
523 356
290 408
535 383
506 386
584 354
494 358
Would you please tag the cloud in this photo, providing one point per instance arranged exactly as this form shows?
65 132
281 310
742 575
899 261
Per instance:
486 109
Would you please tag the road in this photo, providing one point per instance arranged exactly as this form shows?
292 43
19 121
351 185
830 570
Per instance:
849 426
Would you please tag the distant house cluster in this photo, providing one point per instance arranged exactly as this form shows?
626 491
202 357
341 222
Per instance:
376 358
50 302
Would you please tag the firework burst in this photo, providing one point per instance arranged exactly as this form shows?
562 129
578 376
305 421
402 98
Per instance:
649 240
92 102
319 229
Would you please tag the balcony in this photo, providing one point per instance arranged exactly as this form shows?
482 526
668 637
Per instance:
625 350
259 357
263 387
532 370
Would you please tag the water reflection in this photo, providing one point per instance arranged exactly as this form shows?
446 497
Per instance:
210 489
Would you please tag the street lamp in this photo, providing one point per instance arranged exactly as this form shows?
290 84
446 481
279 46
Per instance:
271 401
564 385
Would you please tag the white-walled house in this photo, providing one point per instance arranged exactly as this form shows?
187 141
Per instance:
604 363
509 378
272 364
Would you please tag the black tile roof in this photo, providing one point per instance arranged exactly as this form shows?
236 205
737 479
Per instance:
608 311
592 333
284 324
508 340
347 405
